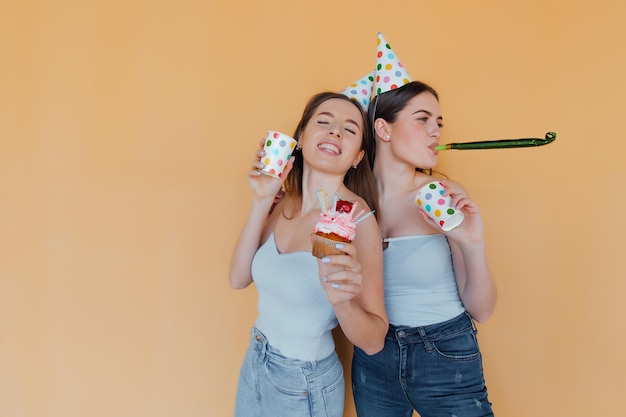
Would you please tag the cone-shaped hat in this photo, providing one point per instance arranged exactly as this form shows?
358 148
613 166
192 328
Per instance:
390 73
361 90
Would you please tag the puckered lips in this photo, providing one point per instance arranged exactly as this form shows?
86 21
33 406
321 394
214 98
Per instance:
330 148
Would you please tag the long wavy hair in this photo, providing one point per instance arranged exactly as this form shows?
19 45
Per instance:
360 180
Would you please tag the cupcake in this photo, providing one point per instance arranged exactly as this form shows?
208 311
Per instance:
337 223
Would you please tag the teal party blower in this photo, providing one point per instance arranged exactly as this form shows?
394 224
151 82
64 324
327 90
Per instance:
503 143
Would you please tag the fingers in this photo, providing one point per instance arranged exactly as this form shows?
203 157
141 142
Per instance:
340 274
347 248
459 197
459 201
263 185
344 262
256 163
462 202
288 167
345 281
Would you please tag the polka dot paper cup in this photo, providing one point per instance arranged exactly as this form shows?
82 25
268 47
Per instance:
430 198
278 149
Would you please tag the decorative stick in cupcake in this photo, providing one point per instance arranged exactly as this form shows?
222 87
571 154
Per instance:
337 224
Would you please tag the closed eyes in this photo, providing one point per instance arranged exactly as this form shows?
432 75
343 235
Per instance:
347 129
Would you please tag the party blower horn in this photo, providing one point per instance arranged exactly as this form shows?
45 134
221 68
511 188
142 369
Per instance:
503 143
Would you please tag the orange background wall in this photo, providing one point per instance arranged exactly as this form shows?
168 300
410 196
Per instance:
126 131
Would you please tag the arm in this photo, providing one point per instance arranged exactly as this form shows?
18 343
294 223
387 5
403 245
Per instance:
359 299
475 283
476 287
265 188
248 243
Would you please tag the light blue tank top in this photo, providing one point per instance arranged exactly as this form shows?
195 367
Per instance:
294 312
420 286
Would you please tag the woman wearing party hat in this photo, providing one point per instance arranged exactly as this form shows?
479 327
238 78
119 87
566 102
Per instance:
291 368
437 280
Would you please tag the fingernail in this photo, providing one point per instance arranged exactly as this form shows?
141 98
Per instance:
261 165
325 260
339 245
335 285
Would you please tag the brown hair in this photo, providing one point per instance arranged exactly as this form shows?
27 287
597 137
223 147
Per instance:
387 105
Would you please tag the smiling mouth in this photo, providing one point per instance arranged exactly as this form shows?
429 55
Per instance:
329 147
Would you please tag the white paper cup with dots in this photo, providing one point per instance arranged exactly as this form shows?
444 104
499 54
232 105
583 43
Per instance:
431 200
278 148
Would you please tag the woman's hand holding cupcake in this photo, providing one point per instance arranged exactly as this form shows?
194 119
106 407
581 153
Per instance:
340 274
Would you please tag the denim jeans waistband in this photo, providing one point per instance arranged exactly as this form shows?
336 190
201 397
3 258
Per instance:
460 323
268 352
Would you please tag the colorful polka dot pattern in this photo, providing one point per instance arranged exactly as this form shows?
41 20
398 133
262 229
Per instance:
278 149
390 74
431 199
361 90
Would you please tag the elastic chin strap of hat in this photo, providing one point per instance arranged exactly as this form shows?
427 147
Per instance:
372 116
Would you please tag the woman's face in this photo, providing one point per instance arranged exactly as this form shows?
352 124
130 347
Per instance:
332 138
416 131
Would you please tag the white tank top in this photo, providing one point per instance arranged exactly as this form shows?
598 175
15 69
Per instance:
294 312
420 285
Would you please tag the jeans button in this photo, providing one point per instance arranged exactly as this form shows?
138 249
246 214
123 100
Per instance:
258 338
401 333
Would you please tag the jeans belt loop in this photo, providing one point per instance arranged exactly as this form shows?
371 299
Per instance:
427 343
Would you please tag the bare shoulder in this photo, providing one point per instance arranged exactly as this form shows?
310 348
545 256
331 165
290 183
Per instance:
272 219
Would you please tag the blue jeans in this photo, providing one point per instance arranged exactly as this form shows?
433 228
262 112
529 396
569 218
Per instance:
435 370
271 385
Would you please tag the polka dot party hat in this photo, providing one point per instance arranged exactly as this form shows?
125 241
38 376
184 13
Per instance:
390 74
361 90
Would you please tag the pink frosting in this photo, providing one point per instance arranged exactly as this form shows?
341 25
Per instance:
342 224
